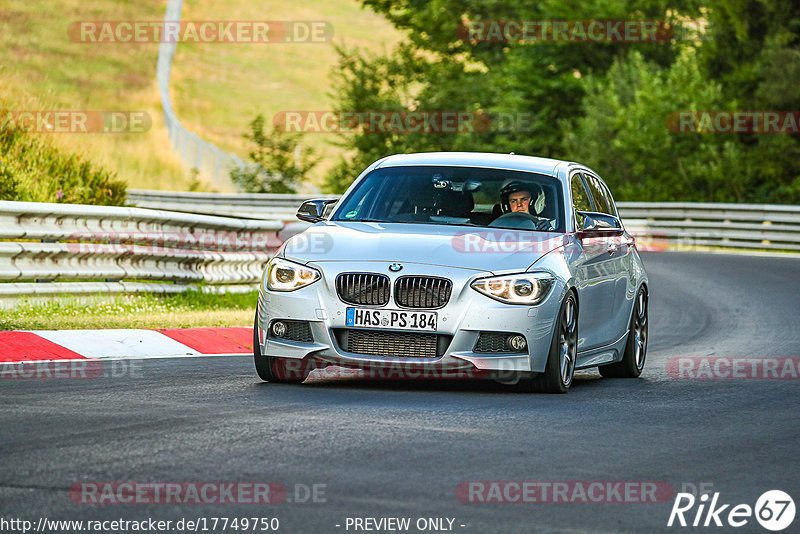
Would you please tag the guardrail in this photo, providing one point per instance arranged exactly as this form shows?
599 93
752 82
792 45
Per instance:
685 224
736 226
48 249
244 205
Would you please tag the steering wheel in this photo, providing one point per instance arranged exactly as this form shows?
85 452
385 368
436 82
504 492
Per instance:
522 221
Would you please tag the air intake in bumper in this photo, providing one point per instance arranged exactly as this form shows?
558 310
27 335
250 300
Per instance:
392 344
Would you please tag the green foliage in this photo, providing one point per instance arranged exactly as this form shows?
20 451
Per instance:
526 89
33 170
604 104
754 53
9 185
278 162
369 83
624 134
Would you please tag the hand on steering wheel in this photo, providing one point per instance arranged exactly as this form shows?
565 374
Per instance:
518 215
538 223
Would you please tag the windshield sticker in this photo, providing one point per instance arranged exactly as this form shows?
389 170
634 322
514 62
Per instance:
351 214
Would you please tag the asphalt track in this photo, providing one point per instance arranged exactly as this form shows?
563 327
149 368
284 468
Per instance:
401 448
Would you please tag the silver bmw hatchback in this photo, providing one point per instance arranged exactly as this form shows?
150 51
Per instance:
458 265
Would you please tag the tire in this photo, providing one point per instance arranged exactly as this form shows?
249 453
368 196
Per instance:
635 354
280 370
560 367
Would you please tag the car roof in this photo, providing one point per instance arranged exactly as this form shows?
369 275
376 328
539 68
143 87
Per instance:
475 159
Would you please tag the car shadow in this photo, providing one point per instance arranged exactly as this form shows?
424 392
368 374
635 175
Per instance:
581 381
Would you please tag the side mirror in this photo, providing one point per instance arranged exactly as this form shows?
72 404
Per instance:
314 211
595 223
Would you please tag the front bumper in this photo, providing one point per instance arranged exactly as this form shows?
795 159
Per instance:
464 317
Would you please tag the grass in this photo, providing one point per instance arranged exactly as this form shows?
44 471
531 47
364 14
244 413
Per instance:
42 69
219 88
216 88
35 171
185 310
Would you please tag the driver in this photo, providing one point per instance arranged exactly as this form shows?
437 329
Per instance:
520 201
522 197
525 197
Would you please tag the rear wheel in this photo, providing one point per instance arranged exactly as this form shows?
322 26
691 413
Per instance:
273 369
560 368
636 348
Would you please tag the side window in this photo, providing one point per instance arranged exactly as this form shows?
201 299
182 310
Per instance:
602 201
580 200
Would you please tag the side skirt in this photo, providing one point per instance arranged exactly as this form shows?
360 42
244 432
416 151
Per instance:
602 355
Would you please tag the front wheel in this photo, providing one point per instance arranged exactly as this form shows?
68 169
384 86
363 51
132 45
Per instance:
560 367
636 348
273 369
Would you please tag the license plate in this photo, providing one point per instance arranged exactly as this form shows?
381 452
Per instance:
396 319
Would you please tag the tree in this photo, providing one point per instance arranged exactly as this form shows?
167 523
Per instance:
605 103
278 163
754 52
625 134
533 85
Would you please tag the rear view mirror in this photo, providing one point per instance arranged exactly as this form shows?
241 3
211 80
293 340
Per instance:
472 185
599 223
314 211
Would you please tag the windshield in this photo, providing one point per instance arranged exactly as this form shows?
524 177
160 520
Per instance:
461 196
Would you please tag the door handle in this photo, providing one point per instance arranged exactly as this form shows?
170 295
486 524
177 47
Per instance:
612 248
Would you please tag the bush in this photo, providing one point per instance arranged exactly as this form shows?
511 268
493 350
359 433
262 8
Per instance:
34 170
624 135
8 184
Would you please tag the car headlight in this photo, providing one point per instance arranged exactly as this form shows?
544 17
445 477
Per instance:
524 288
285 275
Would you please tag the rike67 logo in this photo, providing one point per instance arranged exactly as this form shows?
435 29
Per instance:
774 510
